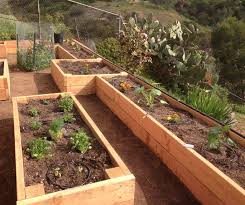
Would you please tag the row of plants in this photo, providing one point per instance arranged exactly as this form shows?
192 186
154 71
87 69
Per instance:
41 147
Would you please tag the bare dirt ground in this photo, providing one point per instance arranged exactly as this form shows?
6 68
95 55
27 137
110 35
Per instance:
156 185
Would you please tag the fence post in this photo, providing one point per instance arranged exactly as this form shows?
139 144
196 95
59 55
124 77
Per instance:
34 49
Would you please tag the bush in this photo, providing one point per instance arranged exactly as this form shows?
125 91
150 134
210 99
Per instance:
111 49
39 148
210 103
80 141
8 30
30 61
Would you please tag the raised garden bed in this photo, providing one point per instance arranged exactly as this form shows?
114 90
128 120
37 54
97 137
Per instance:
4 80
166 128
61 159
71 49
3 49
78 76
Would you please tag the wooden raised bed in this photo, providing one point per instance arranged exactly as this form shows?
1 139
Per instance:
62 53
4 81
117 189
3 49
204 180
79 84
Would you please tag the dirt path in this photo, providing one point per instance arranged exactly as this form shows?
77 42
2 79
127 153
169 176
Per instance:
156 184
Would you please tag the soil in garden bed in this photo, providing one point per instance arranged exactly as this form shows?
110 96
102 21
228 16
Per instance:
229 160
1 68
75 168
81 68
77 51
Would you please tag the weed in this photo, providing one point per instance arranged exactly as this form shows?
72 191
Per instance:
66 103
149 95
33 112
69 118
39 148
35 125
45 102
80 141
55 129
217 136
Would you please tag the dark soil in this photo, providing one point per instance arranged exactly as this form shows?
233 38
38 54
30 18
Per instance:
76 169
80 68
1 68
191 131
77 51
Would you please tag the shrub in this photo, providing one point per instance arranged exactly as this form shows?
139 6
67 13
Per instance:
55 129
80 141
69 118
8 30
33 112
209 103
36 125
111 49
31 61
66 103
39 148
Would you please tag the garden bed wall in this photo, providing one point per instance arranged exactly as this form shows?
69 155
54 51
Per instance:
204 180
4 81
79 84
62 53
117 189
3 49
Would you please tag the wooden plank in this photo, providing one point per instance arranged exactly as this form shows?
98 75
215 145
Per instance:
20 182
34 191
114 172
61 53
109 192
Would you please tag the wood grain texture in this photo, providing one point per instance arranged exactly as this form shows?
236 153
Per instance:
5 81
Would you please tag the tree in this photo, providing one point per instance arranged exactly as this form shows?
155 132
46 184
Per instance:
228 41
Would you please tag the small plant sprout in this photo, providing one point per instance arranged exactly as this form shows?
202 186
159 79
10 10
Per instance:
85 69
35 125
174 118
124 86
69 118
57 172
66 103
149 95
39 148
45 102
218 136
80 141
55 129
33 112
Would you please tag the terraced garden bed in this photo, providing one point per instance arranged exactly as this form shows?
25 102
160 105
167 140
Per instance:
179 136
4 80
78 76
3 49
62 156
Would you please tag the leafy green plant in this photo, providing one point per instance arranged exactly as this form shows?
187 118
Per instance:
33 112
209 103
66 103
69 118
174 118
36 125
80 141
149 95
217 136
55 129
39 148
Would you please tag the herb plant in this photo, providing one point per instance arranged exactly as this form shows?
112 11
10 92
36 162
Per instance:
80 141
66 103
35 125
149 95
33 112
55 129
39 148
69 118
218 136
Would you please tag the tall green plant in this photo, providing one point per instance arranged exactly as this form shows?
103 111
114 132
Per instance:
210 103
